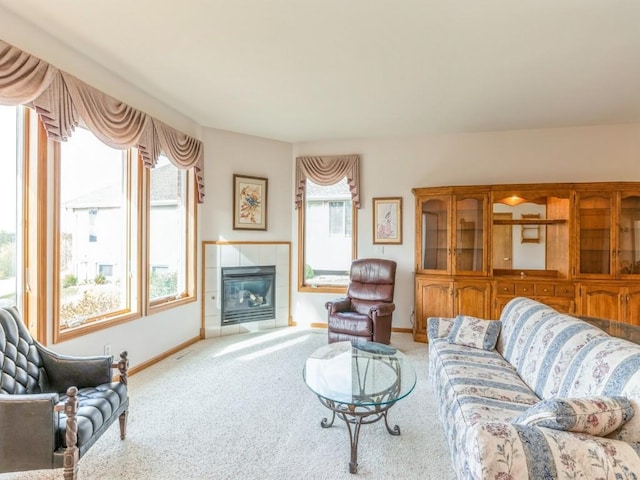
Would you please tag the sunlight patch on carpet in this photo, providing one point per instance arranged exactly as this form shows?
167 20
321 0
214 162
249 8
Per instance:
275 348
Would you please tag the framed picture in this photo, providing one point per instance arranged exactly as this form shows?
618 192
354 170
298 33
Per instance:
249 203
387 220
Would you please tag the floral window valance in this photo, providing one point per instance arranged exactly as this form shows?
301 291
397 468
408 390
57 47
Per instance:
328 170
62 101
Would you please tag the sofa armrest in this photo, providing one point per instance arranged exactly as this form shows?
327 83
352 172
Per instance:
28 425
338 305
64 371
439 327
496 450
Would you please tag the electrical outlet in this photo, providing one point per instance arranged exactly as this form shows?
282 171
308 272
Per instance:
107 349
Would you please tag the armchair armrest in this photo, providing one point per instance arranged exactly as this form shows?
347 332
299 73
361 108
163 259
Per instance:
382 309
64 371
28 431
338 305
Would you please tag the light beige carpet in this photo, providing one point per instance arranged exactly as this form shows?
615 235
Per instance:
237 408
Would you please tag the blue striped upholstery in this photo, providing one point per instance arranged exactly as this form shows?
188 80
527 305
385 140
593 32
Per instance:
540 354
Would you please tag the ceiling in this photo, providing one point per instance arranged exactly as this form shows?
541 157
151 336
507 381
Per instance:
304 70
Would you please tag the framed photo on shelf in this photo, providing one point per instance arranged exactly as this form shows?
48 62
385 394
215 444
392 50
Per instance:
387 220
249 202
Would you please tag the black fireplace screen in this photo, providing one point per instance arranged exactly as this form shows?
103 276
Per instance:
248 294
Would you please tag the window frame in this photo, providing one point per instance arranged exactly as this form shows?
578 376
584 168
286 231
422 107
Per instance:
320 288
189 294
133 185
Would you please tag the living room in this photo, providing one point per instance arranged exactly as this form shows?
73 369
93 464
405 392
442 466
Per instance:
562 140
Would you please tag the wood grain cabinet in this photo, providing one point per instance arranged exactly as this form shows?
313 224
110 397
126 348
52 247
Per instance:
452 228
613 302
573 246
608 234
558 295
448 298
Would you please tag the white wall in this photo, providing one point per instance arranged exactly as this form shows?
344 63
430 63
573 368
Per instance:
392 167
227 153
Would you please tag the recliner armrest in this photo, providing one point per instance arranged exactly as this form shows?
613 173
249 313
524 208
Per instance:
28 425
338 305
382 309
64 371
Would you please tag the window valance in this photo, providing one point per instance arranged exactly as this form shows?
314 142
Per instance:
328 170
62 101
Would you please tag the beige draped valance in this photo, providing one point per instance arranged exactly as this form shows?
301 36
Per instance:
62 101
328 170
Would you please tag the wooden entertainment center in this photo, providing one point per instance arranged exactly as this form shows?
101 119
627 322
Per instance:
573 246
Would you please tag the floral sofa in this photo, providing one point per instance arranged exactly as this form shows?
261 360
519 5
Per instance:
537 395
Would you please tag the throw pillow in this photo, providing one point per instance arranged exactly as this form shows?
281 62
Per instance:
596 415
439 327
475 332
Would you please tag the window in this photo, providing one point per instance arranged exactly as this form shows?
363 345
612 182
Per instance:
11 154
171 234
326 224
105 270
96 199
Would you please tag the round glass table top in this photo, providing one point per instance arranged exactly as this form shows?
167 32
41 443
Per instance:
360 375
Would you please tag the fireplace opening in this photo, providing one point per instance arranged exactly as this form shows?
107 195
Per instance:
248 294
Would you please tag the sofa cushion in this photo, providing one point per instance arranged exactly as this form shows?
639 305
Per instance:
597 415
542 343
474 332
439 327
607 366
96 406
479 373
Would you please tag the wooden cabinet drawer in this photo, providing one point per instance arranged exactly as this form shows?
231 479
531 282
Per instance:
524 289
503 288
567 291
544 289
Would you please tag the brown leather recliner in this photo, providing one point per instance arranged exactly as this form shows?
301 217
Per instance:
365 313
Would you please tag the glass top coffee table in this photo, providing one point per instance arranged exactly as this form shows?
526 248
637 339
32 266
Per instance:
359 384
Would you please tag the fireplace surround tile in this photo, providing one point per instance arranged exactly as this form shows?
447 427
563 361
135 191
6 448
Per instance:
236 254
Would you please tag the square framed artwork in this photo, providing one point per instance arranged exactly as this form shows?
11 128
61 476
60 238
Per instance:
249 202
387 220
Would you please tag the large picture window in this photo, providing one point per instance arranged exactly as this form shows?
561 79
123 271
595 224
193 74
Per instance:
96 227
11 165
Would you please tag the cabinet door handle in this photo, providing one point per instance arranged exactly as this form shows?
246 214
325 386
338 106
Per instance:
546 290
506 289
524 289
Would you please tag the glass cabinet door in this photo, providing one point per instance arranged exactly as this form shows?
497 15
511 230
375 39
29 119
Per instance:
436 214
470 221
594 234
628 254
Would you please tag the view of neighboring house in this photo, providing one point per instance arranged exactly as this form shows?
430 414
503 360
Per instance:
92 226
329 229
